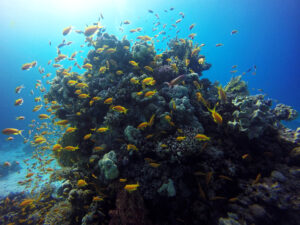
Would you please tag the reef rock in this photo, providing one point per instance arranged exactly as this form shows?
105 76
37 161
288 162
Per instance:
108 168
252 117
284 112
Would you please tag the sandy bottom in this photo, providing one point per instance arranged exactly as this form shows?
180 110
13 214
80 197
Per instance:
9 183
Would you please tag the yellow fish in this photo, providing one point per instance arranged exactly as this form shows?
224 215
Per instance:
180 138
119 72
71 148
133 63
148 68
81 183
149 94
131 147
82 96
131 187
102 129
120 109
202 137
134 80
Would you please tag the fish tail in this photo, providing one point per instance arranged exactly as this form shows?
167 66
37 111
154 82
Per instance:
20 133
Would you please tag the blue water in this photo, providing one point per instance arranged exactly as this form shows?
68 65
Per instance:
268 37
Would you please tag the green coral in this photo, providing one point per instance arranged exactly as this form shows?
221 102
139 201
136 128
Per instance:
108 167
168 189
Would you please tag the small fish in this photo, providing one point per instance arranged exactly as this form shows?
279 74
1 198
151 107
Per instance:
150 94
201 61
148 68
102 129
108 101
66 30
134 80
97 199
119 72
61 122
245 156
87 66
56 147
202 137
81 183
26 66
131 147
83 96
90 30
142 125
20 118
19 89
19 101
87 136
71 148
131 187
119 109
133 63
192 36
153 164
178 21
225 177
7 164
175 81
219 45
71 129
122 180
180 138
234 32
192 26
222 94
216 116
102 69
98 148
151 121
257 179
12 131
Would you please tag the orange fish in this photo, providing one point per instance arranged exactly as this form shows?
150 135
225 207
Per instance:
19 101
216 116
10 131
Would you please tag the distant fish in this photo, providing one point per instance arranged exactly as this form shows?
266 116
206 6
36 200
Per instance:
19 101
19 89
219 44
234 32
150 11
66 30
192 26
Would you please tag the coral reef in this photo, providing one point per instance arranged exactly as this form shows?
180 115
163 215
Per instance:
253 115
156 144
108 167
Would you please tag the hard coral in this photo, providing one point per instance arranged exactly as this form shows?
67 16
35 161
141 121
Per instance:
129 210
